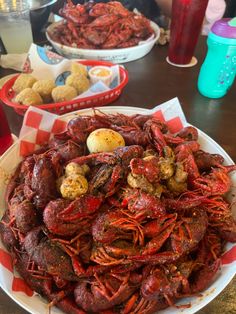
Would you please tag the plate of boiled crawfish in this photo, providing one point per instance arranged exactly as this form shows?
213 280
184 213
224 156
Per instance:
102 31
143 228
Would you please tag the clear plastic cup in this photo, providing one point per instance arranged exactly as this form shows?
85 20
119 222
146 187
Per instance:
15 27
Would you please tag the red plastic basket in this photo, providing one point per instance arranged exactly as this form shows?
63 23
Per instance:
101 99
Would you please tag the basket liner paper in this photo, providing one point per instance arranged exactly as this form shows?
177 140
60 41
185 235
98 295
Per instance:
42 62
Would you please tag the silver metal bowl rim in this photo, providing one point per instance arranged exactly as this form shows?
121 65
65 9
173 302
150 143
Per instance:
24 10
34 8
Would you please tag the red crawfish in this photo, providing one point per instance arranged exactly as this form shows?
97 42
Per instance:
65 218
187 233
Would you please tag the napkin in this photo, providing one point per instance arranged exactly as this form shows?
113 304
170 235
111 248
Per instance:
13 61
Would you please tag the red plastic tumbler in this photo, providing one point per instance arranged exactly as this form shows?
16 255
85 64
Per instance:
5 133
186 22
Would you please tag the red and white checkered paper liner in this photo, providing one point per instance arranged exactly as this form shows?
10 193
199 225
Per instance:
38 127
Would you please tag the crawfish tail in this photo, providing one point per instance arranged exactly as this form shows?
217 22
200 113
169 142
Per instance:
205 277
156 259
185 204
230 168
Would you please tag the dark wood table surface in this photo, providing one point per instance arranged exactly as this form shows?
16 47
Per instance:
153 81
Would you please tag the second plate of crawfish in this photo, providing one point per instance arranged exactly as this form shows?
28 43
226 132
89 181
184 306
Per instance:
102 31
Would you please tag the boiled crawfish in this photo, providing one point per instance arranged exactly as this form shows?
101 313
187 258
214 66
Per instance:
101 26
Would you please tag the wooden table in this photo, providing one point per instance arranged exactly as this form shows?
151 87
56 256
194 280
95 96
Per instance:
153 81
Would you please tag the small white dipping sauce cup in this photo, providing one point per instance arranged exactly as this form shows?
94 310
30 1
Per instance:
101 73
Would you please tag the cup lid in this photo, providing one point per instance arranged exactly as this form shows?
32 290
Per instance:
225 28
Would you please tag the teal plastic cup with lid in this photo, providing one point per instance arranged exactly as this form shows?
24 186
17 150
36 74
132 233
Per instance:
218 70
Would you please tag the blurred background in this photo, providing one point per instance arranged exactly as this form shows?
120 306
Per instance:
43 12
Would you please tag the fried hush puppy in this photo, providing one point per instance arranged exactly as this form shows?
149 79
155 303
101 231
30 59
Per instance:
29 97
23 81
78 68
30 91
79 82
44 88
63 93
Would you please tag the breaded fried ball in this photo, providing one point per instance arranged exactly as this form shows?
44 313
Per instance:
63 93
73 168
44 88
23 81
29 97
79 82
79 68
74 186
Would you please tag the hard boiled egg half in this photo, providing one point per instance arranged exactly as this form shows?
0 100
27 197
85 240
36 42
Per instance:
104 140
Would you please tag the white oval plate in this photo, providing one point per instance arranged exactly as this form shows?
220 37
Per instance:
121 55
37 305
